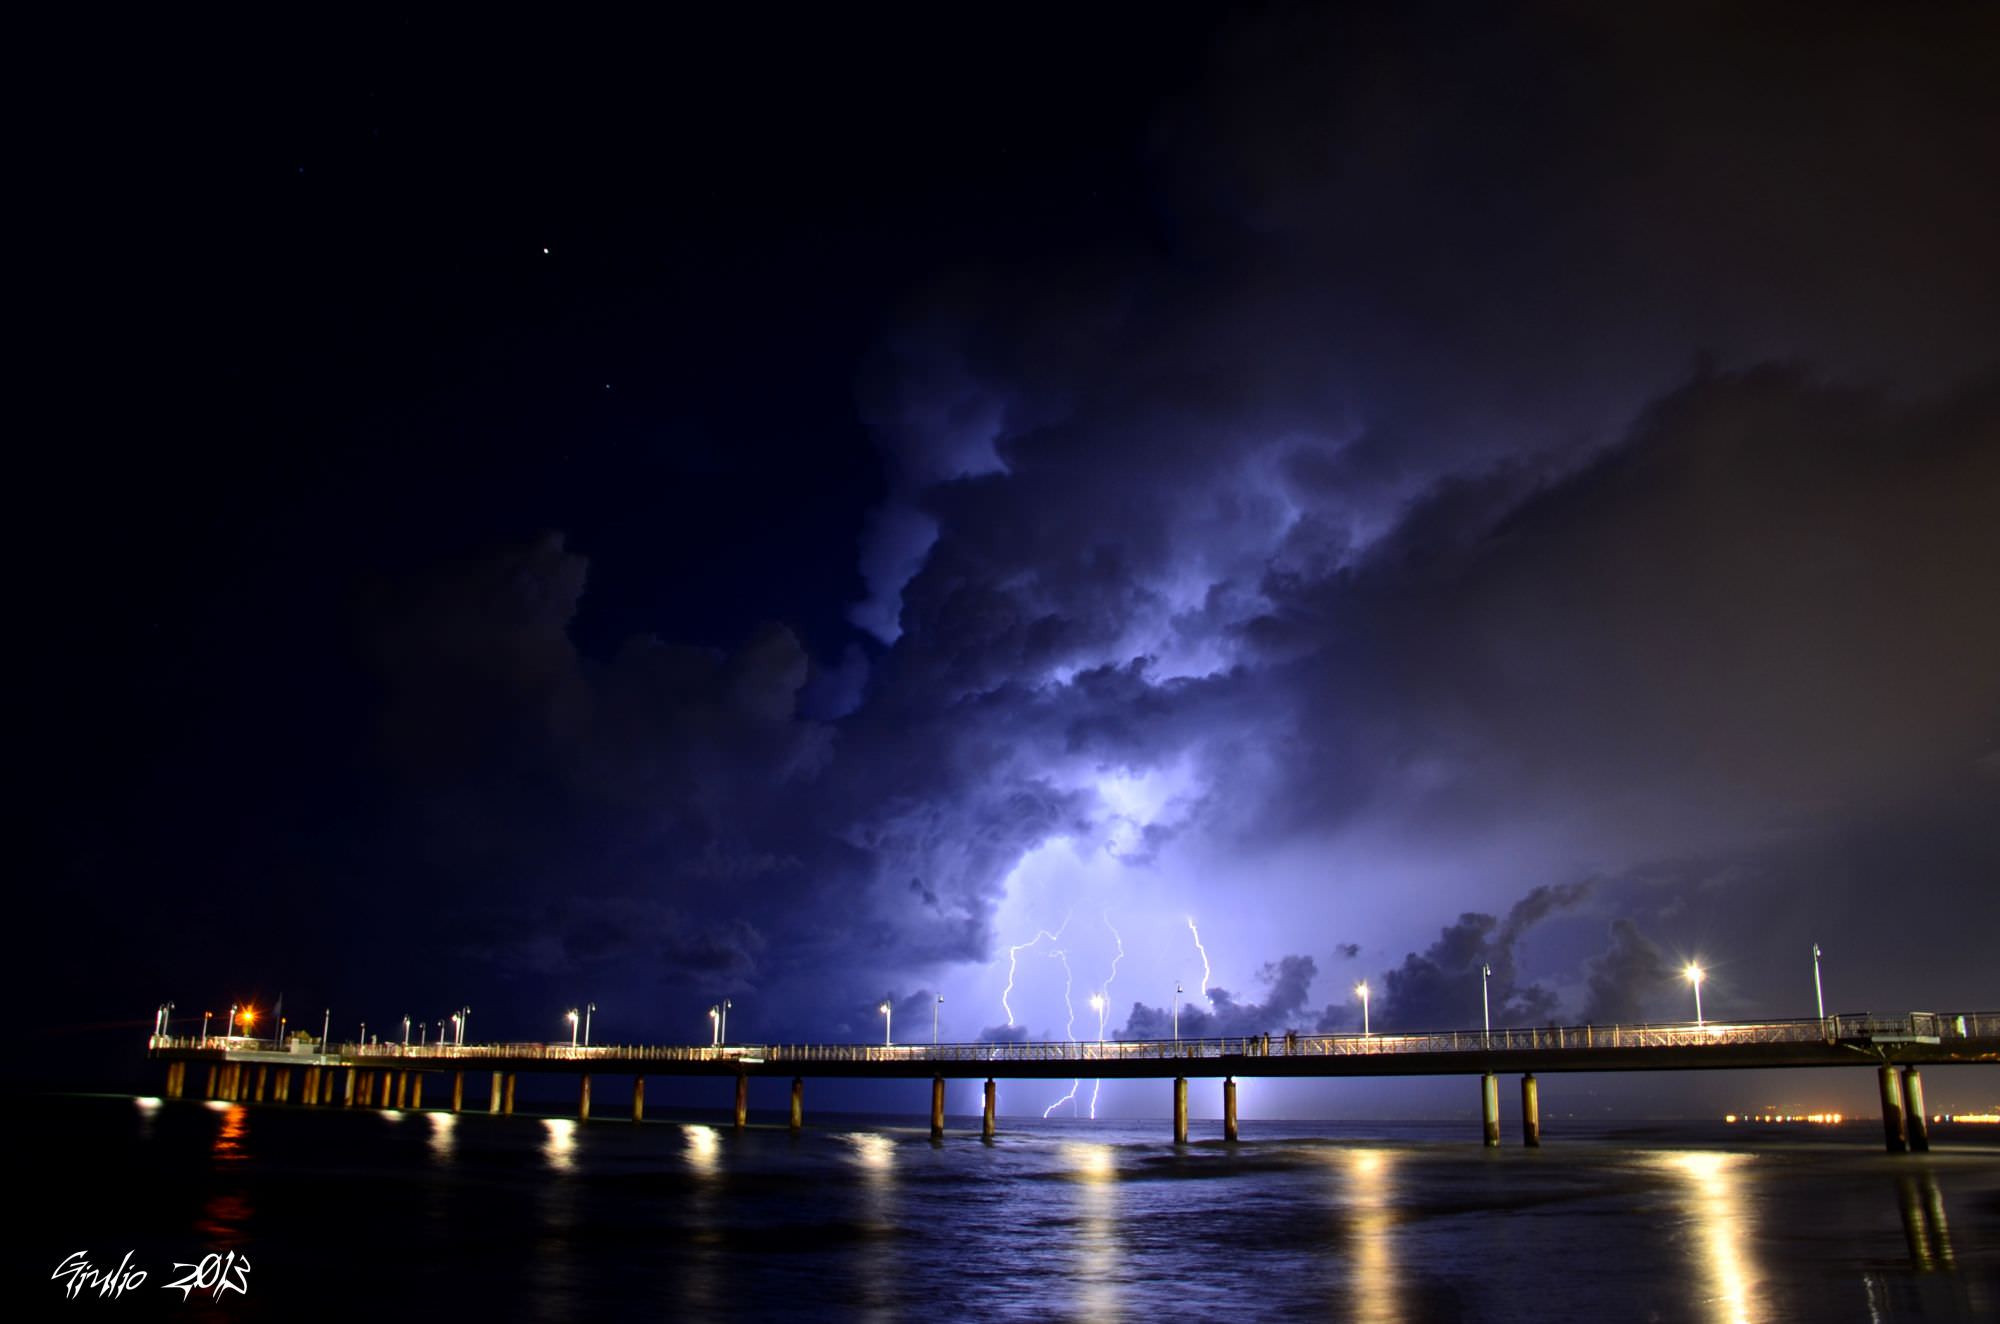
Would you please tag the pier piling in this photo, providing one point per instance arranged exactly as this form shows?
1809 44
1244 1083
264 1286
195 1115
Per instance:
937 1107
986 1120
1180 1110
1229 1108
1489 1106
1531 1112
1893 1134
798 1102
638 1098
1914 1123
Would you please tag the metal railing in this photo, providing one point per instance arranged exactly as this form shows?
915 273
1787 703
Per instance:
1943 1027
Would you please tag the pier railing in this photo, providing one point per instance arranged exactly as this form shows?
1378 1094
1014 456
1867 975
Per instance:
1917 1027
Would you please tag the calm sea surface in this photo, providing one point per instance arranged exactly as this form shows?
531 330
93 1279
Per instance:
385 1216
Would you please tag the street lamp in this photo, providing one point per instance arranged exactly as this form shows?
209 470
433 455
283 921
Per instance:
1177 1011
1819 995
1362 989
715 1027
406 1031
570 1015
887 1021
325 1027
247 1019
1485 1006
1695 974
364 1034
724 1028
1097 1005
457 1034
204 1026
464 1017
423 1034
229 1025
934 1018
588 1008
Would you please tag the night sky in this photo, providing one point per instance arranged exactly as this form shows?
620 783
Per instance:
786 508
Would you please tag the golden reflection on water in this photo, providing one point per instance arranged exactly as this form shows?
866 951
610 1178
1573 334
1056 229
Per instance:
1722 1231
229 1138
559 1145
444 1135
1371 1230
1924 1227
1095 1171
704 1149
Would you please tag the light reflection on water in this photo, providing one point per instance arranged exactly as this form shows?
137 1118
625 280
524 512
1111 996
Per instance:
1371 1231
559 1143
1716 1205
548 1218
443 1138
874 1155
1094 1169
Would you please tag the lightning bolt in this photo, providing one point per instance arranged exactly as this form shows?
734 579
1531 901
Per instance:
1204 960
1013 962
1104 1003
1069 1027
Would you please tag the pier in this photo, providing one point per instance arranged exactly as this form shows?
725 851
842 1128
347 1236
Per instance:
379 1075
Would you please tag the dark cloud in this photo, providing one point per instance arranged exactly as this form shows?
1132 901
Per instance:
1628 980
1288 983
1440 988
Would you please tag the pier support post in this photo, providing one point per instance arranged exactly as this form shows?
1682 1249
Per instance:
1915 1124
416 1089
937 1107
348 1088
583 1101
493 1098
507 1096
742 1100
1489 1106
176 1079
1892 1109
263 1074
1531 1112
1180 1110
208 1089
1229 1108
282 1090
986 1120
403 1088
798 1103
638 1098
457 1090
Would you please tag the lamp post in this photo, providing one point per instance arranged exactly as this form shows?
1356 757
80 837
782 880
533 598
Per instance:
204 1026
364 1034
1362 989
723 1029
1695 974
1819 994
423 1034
1097 1005
715 1027
934 1018
1485 1006
325 1027
229 1026
464 1016
588 1008
247 1017
1177 1011
406 1031
278 1041
888 1020
457 1036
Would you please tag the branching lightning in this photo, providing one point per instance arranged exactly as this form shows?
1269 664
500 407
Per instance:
1102 1002
1013 961
1204 961
1069 1026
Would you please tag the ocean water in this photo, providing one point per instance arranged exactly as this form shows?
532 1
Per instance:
386 1216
